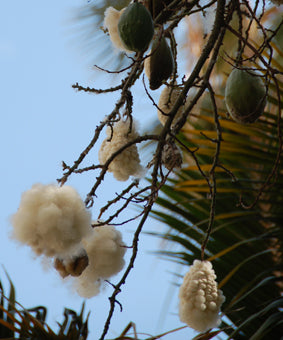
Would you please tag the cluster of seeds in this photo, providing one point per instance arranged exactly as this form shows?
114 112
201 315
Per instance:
200 299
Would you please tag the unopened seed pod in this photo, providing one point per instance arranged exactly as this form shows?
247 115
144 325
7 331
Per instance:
159 66
135 27
245 96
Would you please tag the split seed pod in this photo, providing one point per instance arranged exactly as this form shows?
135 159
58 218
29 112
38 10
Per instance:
245 96
74 266
159 66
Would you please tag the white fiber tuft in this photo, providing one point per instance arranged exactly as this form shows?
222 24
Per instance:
52 220
111 19
166 102
105 250
127 163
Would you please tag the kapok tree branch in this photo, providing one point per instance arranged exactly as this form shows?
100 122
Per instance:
127 83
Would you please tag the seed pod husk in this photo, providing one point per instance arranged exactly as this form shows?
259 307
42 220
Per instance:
77 265
60 267
74 266
136 27
245 96
159 66
171 156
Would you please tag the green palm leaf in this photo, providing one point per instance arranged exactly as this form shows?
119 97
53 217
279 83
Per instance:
245 245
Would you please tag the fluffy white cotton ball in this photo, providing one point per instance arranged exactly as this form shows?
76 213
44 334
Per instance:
200 300
111 18
105 250
127 163
166 106
52 220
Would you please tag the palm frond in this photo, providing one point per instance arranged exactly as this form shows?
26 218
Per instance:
17 322
245 244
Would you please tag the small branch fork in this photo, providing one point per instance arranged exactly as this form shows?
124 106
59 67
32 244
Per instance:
126 84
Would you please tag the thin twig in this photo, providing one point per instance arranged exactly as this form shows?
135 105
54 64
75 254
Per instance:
93 90
212 182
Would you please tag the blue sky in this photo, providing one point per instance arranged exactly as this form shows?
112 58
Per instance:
44 121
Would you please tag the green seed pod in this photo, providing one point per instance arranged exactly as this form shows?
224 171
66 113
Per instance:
136 27
159 66
245 96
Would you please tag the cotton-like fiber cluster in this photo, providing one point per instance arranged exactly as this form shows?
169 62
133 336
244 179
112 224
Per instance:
105 250
52 220
111 18
127 163
146 67
200 300
166 106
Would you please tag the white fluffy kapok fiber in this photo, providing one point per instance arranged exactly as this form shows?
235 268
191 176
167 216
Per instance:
52 220
166 102
127 163
200 300
111 18
105 250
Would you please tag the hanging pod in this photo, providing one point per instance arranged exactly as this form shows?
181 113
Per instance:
136 27
245 96
159 66
171 156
